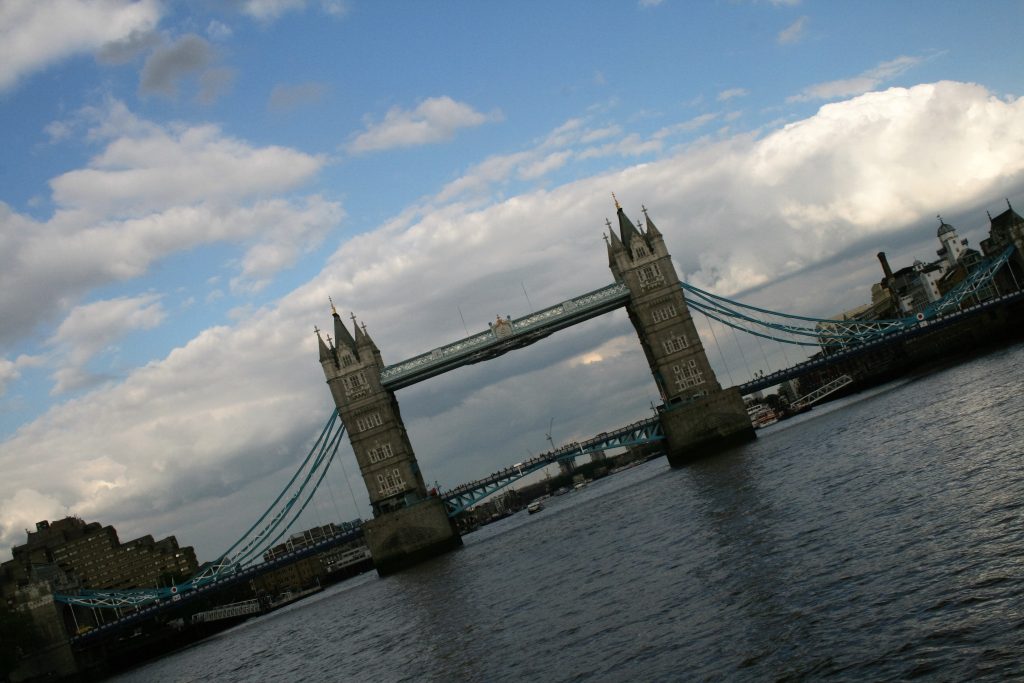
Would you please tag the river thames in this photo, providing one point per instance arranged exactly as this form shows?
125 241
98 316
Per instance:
879 537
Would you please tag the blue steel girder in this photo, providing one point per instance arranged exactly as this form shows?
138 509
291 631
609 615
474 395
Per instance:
501 339
853 351
981 276
464 496
839 334
189 589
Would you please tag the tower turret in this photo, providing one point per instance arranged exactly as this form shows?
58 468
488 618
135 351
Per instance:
344 344
408 524
698 415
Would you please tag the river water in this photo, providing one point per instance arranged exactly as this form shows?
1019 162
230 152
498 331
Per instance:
876 538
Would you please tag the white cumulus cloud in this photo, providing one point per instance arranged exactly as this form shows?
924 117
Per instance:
37 33
89 329
152 191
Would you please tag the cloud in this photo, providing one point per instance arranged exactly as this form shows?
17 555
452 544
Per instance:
269 10
213 83
434 120
858 85
793 33
145 167
287 97
169 64
334 8
34 35
230 410
574 141
218 30
21 509
126 49
152 191
57 131
731 93
90 329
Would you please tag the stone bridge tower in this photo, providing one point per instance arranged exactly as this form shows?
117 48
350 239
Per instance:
409 525
698 416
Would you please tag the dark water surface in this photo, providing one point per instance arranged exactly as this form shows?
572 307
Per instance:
878 539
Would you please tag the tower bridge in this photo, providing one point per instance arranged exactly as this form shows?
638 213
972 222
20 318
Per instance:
697 415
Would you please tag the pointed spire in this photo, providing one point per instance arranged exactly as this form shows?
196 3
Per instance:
341 336
325 353
363 337
627 230
357 333
652 230
616 243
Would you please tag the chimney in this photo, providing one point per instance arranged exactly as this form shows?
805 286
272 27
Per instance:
885 265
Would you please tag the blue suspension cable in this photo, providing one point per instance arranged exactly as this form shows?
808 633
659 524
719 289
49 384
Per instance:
277 521
323 432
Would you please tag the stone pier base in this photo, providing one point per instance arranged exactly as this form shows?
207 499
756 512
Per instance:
406 537
705 426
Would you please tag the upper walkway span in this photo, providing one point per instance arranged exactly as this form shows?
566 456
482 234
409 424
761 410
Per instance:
504 336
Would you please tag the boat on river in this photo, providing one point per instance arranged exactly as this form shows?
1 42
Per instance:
535 506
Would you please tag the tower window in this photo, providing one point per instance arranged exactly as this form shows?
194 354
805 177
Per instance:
687 375
368 421
390 482
675 343
663 313
356 385
650 276
380 452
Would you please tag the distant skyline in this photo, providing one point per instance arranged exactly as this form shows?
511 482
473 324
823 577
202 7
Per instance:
184 184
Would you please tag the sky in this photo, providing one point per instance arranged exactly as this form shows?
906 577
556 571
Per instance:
184 184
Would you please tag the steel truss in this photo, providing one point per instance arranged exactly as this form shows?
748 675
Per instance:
979 278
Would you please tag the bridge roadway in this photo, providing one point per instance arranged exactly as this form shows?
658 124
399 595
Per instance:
922 328
466 495
183 598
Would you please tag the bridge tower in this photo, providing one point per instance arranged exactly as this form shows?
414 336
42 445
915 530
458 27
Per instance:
697 415
408 525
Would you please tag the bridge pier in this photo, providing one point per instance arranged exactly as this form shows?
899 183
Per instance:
705 426
698 417
409 526
410 535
